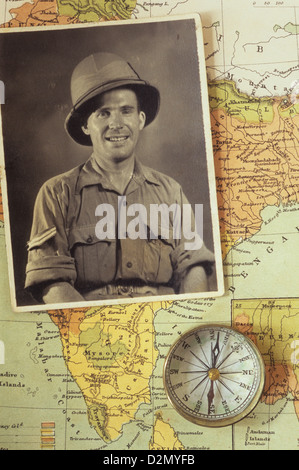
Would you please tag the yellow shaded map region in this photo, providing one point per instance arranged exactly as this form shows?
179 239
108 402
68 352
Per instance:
164 436
95 10
110 353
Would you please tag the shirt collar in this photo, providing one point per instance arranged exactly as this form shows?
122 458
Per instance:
91 175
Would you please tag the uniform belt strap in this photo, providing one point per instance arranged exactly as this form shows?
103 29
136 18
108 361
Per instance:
111 291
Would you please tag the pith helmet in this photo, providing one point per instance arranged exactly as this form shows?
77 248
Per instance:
97 74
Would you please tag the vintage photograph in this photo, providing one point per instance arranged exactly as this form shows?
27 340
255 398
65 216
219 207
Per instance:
108 185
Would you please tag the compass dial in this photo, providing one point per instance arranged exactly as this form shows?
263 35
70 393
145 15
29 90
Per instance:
214 375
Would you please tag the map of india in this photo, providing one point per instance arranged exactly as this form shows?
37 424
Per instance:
92 378
256 156
111 355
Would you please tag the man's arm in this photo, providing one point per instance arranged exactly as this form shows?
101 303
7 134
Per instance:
194 281
192 266
51 270
60 292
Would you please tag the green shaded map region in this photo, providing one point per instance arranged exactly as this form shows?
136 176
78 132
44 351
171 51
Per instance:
64 12
288 28
94 10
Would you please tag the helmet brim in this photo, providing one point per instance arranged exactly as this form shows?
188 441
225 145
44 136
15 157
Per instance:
148 97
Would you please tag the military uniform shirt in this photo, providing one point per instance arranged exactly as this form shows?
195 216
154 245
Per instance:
63 244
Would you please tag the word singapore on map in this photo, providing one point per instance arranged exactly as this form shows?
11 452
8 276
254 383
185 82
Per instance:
97 373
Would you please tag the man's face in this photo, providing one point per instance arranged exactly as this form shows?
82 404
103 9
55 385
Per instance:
115 126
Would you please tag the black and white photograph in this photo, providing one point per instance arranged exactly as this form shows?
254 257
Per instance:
108 186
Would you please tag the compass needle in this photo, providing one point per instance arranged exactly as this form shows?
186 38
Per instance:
215 352
225 382
210 397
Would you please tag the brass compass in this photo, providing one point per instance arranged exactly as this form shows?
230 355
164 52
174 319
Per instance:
214 375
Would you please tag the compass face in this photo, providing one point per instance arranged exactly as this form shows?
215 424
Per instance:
214 375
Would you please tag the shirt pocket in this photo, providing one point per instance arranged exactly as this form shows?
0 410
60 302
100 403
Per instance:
95 259
157 261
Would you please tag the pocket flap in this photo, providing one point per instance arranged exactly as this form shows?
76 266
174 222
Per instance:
84 236
165 234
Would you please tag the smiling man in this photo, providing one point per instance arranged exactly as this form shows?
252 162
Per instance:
114 130
67 260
